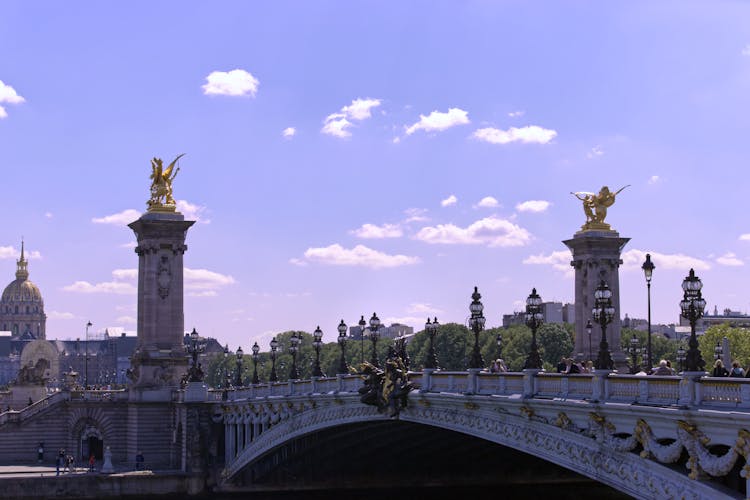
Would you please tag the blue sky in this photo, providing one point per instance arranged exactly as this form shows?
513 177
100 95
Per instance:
344 158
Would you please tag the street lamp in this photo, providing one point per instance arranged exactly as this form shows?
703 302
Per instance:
238 377
343 367
374 336
692 306
362 324
431 360
317 341
274 346
603 314
194 349
635 345
256 350
476 323
534 319
681 357
86 359
499 341
718 351
648 269
589 327
293 349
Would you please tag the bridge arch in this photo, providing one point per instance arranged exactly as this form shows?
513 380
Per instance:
520 430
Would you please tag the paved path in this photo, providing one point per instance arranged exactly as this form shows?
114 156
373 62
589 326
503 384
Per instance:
33 470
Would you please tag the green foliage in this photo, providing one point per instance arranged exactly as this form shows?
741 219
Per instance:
661 347
739 343
555 342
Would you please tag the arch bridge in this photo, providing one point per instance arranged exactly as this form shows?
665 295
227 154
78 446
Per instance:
650 437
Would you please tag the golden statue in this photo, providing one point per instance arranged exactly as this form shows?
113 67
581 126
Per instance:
161 185
595 207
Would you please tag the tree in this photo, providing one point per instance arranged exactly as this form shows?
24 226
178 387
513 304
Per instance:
739 343
555 342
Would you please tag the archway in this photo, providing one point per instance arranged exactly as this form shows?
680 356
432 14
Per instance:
91 443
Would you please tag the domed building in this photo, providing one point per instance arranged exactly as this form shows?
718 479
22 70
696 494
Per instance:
22 307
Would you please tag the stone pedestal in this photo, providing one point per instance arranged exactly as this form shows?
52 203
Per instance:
159 361
196 392
107 467
596 257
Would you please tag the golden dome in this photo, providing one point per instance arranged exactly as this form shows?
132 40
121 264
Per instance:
21 290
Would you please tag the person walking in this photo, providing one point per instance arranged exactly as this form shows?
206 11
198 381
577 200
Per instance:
59 462
92 462
139 460
737 370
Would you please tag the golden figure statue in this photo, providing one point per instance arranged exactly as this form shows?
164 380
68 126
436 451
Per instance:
161 185
595 207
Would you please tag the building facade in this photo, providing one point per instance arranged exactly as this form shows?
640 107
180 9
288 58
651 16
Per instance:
22 307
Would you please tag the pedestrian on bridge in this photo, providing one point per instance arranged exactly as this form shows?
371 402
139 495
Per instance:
719 370
737 370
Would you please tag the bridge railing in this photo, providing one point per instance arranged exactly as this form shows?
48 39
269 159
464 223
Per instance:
601 386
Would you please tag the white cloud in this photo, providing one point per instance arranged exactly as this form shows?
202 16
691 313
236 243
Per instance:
516 114
451 200
533 206
8 95
416 215
125 274
124 279
422 308
121 218
559 260
729 259
745 51
289 132
488 202
595 152
491 231
203 279
396 140
116 287
10 252
203 293
633 260
415 322
337 124
48 215
131 244
237 82
437 121
126 320
192 211
60 315
360 255
371 231
743 237
528 134
298 262
654 179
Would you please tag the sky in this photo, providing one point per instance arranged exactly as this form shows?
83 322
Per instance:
344 158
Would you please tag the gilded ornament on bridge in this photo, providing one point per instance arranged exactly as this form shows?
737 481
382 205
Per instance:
161 185
387 389
595 207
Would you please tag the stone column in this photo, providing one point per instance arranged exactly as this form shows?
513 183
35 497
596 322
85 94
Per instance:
596 257
159 361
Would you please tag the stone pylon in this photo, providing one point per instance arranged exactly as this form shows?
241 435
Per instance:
159 361
596 257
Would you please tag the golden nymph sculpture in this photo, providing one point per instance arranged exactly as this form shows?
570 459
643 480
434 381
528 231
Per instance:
161 186
595 207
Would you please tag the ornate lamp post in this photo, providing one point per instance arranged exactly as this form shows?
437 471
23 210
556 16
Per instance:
226 379
681 357
293 349
374 336
590 327
256 350
534 319
431 360
692 306
648 269
718 350
317 341
603 314
635 346
476 323
274 346
194 349
499 341
343 367
362 324
238 377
